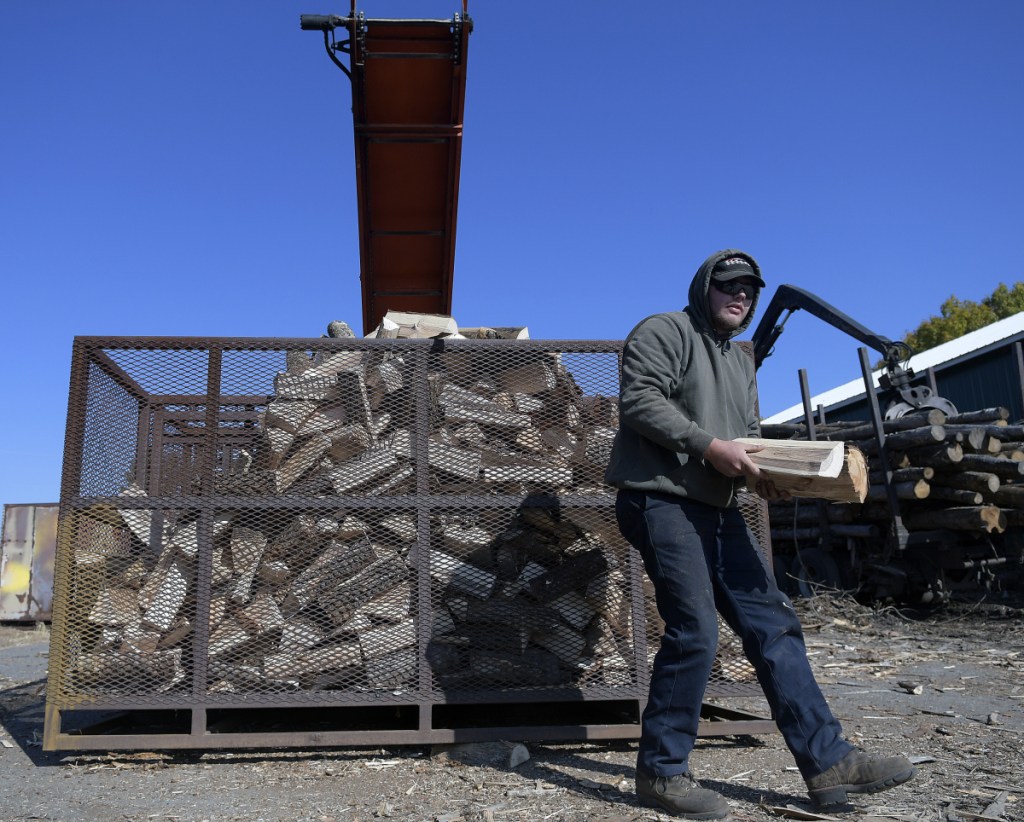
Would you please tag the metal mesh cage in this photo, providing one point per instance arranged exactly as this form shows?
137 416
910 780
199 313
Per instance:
414 534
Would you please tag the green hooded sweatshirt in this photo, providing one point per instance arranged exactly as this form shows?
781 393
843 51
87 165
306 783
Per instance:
680 387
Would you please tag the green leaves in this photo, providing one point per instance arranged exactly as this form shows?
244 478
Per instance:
958 317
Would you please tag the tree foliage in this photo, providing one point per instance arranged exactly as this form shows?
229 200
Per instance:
958 317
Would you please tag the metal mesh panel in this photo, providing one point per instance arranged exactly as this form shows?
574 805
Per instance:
531 597
343 522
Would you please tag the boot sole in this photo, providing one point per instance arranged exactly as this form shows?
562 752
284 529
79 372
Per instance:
650 802
836 795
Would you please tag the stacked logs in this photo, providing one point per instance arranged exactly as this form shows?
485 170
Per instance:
526 597
330 598
959 477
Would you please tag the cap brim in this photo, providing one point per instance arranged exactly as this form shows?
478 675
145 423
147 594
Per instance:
724 277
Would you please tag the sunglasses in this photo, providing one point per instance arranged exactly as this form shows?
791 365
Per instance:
734 287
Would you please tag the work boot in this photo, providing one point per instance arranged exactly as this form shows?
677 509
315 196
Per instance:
858 772
680 795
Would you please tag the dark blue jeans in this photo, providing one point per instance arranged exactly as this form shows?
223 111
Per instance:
704 559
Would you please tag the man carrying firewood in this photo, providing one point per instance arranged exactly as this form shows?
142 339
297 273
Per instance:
686 392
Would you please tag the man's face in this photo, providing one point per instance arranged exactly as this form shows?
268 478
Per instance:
728 311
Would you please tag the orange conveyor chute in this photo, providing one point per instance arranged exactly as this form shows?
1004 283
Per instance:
408 96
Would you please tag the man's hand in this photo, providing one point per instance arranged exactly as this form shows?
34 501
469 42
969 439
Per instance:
730 458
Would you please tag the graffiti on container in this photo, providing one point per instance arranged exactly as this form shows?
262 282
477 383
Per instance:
26 563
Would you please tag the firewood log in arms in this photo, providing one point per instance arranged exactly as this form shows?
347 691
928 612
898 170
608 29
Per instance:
816 469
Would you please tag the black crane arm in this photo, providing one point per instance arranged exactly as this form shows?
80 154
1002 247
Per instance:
789 298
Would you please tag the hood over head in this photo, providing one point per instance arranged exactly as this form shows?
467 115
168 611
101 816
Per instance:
724 265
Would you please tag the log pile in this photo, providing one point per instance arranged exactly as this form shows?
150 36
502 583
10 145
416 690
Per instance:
343 423
535 598
527 595
958 477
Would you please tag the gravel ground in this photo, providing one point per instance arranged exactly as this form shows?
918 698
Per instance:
965 729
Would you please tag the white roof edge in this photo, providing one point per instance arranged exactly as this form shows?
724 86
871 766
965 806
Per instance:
999 330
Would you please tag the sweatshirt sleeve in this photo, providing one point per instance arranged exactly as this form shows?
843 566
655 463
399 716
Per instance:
653 363
755 423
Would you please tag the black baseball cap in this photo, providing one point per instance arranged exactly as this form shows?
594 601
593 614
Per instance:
732 268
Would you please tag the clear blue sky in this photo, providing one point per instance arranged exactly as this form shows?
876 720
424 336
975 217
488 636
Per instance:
186 168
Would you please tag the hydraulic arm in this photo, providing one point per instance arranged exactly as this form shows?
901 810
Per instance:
789 298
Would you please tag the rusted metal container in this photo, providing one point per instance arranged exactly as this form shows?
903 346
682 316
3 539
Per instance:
26 562
296 542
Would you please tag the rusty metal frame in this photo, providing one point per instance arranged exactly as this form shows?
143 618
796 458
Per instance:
199 718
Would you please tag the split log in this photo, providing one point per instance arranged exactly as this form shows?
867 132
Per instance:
495 612
228 636
186 538
562 641
372 465
139 521
529 474
304 386
451 572
289 415
811 469
574 609
460 463
338 562
300 633
577 572
168 597
819 458
114 606
531 378
247 547
279 441
392 606
348 441
262 615
292 665
400 526
298 542
384 641
138 638
349 595
535 667
497 417
301 461
411 326
393 671
113 670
